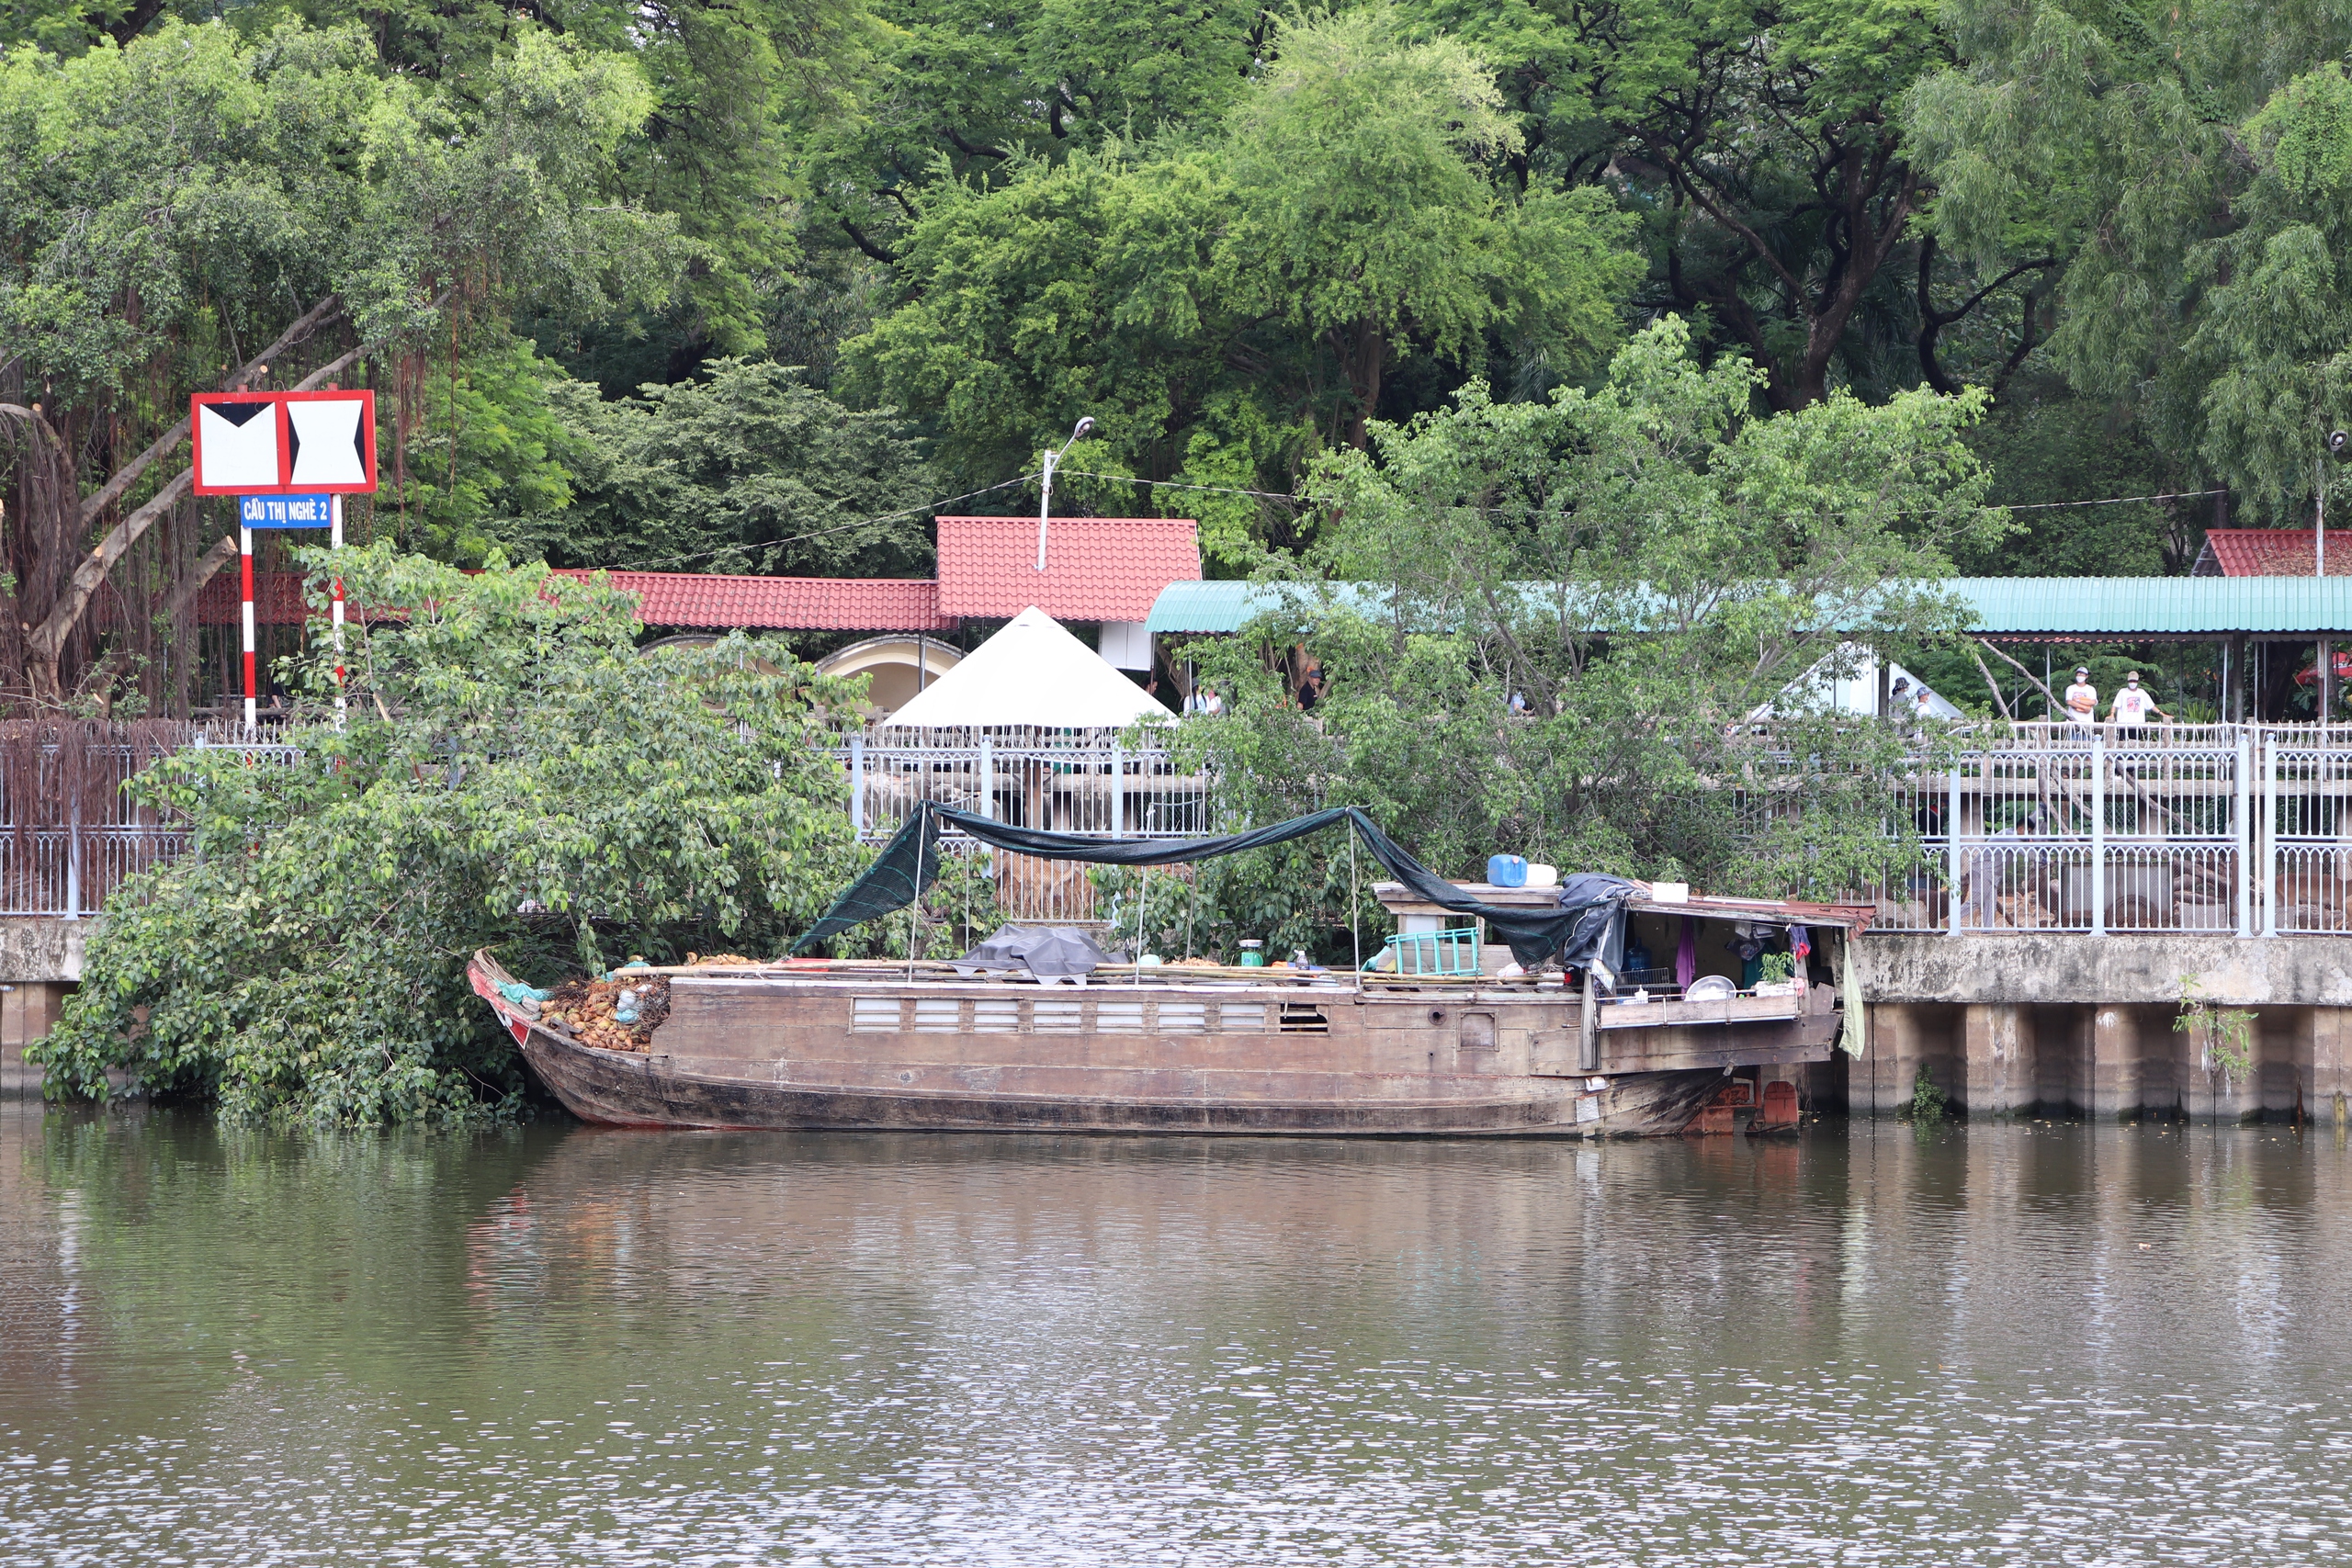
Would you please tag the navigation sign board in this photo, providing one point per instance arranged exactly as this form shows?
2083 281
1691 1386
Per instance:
284 444
285 511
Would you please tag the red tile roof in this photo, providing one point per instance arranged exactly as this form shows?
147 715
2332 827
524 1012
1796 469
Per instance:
667 599
2270 552
777 603
1097 568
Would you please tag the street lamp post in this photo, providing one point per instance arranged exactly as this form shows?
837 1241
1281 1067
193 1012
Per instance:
2338 445
1045 495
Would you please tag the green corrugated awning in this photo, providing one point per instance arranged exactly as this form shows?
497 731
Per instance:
1188 609
2127 607
2023 608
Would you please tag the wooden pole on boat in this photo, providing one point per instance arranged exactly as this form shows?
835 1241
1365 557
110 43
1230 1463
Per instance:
915 904
1143 907
1587 1028
1355 922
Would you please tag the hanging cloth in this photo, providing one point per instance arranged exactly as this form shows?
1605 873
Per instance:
1686 954
1587 917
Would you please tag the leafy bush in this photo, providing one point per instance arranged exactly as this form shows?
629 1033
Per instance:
515 774
1926 1102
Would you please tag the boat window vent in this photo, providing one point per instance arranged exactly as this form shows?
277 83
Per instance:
1119 1018
939 1015
874 1015
1183 1018
1241 1018
1058 1017
996 1018
1298 1018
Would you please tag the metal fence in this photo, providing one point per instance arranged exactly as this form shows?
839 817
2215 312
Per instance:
1087 781
66 856
2226 829
2217 828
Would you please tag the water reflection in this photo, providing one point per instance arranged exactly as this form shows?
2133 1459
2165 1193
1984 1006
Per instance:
2014 1345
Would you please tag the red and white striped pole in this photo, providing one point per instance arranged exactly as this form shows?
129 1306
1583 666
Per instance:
246 564
334 542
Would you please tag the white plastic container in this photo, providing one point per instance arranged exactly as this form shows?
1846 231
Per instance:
1542 875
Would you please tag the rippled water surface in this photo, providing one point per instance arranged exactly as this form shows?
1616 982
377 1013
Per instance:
2001 1345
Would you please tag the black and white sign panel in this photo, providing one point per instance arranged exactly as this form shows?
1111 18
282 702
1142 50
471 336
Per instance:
284 443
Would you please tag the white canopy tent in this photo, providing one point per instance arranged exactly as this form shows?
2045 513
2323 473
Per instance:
1032 673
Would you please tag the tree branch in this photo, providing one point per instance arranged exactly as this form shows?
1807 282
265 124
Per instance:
1993 686
207 565
1932 322
1673 165
128 475
972 150
45 640
2055 706
869 246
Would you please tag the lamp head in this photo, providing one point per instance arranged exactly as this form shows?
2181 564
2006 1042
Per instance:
2339 445
1086 424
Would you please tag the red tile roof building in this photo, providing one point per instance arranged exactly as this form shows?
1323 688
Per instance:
1097 568
2271 552
784 603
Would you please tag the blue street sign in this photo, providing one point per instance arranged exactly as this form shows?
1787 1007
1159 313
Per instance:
285 511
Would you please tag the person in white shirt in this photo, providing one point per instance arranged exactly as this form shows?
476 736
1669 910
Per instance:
2082 697
2133 705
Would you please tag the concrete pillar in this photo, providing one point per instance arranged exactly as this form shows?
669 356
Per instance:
2325 1090
1891 1061
2117 1074
28 1012
1998 1048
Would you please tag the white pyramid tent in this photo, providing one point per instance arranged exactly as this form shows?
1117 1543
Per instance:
1032 673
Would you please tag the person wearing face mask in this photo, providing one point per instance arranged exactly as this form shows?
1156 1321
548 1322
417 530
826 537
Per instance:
2133 705
2082 697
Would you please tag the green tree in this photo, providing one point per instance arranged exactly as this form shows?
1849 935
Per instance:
1762 144
199 210
2141 148
1575 616
1224 309
1368 220
971 92
751 470
513 775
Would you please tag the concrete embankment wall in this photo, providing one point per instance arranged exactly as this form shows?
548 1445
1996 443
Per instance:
2006 1025
40 960
2077 1025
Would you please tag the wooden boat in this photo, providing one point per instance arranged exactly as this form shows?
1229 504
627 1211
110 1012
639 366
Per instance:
821 1044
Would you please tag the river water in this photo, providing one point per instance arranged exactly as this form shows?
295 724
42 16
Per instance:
2025 1344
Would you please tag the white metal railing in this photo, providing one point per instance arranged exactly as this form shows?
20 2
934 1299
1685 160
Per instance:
1088 782
2222 830
61 872
2227 830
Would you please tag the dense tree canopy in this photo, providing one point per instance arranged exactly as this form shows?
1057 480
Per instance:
570 242
513 773
1581 609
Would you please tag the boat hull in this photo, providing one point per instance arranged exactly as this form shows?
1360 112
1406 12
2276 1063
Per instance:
790 1053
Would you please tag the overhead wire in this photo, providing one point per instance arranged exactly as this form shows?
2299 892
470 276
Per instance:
929 508
923 511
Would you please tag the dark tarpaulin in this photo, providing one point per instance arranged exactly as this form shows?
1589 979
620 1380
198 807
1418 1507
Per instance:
1580 923
1046 952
